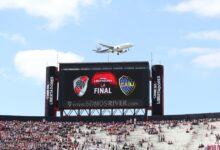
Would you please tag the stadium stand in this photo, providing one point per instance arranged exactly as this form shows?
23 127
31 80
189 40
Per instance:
196 131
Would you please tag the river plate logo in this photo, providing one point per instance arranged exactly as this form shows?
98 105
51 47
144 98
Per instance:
80 85
126 84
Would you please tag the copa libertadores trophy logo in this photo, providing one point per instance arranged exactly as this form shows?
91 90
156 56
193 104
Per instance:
126 84
80 85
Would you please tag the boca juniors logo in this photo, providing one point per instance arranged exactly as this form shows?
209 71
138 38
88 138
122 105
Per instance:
103 82
126 84
80 85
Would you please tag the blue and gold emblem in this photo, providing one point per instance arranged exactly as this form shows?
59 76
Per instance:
126 84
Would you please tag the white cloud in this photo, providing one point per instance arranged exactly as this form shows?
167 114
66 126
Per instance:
208 8
32 63
14 37
205 35
56 11
190 51
211 60
195 50
201 57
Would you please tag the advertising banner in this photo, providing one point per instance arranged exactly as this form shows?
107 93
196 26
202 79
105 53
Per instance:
157 94
51 91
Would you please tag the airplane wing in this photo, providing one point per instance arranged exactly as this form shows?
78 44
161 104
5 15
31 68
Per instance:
108 46
103 51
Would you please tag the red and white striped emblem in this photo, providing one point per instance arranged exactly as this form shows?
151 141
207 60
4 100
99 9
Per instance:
80 85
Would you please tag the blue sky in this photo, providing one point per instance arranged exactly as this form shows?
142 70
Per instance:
183 35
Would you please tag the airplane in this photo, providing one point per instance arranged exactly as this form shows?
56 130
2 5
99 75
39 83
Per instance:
121 48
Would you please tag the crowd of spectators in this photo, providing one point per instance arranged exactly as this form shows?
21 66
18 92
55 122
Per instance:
92 136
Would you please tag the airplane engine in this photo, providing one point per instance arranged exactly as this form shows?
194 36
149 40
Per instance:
124 51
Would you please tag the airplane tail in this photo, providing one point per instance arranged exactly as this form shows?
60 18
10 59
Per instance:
97 49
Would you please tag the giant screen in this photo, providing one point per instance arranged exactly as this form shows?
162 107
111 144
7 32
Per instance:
104 85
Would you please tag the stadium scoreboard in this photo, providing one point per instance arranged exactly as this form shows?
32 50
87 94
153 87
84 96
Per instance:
103 85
